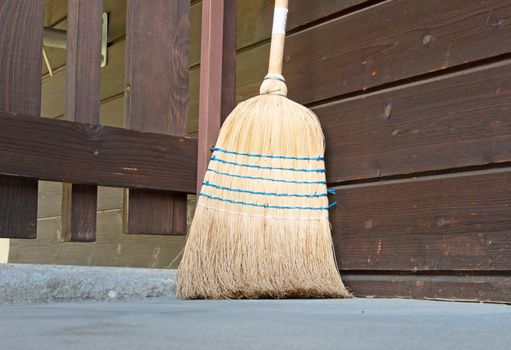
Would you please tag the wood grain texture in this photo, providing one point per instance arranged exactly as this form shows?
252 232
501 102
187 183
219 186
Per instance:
389 42
100 155
255 17
457 120
156 87
79 205
83 60
156 100
459 288
217 76
18 207
155 212
83 64
459 222
21 25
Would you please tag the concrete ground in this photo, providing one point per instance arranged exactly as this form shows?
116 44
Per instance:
261 324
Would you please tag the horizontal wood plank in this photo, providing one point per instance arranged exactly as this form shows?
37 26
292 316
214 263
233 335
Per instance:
98 155
460 288
458 222
391 41
462 119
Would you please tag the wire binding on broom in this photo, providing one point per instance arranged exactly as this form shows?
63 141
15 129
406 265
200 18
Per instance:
265 205
294 218
215 159
277 194
266 178
218 149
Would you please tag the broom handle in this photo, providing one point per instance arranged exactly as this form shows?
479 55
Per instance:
277 39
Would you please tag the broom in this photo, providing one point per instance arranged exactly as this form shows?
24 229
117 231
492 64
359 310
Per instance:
261 227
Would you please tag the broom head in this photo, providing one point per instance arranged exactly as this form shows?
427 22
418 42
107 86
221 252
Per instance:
261 227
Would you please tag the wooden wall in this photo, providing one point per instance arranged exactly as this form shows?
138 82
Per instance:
415 100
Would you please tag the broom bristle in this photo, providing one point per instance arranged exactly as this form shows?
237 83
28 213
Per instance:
261 226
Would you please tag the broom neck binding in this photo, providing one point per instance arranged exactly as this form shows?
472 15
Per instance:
274 83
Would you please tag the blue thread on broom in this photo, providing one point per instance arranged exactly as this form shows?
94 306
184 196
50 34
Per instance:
315 195
263 155
213 158
266 178
265 205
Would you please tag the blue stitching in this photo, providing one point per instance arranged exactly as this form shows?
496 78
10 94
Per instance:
213 158
207 183
264 156
268 179
331 191
264 205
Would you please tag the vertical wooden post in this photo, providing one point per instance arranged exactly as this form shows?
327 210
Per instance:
83 70
156 99
229 58
21 38
217 75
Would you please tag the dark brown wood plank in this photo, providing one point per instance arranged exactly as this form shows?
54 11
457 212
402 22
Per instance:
391 41
255 17
18 216
156 97
79 205
21 25
457 222
460 288
83 64
97 155
152 212
463 119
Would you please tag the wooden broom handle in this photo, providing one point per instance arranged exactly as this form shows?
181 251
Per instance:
277 39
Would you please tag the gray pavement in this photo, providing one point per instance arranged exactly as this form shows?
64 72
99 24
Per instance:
257 324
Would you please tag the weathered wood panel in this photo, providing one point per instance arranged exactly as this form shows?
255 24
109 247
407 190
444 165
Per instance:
156 100
463 119
32 147
461 288
392 41
21 25
460 222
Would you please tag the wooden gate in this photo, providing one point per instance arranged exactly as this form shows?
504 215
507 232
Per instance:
151 156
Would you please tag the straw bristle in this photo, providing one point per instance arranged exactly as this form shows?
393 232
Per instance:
261 226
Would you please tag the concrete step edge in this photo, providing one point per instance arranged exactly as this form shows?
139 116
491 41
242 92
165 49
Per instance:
27 283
